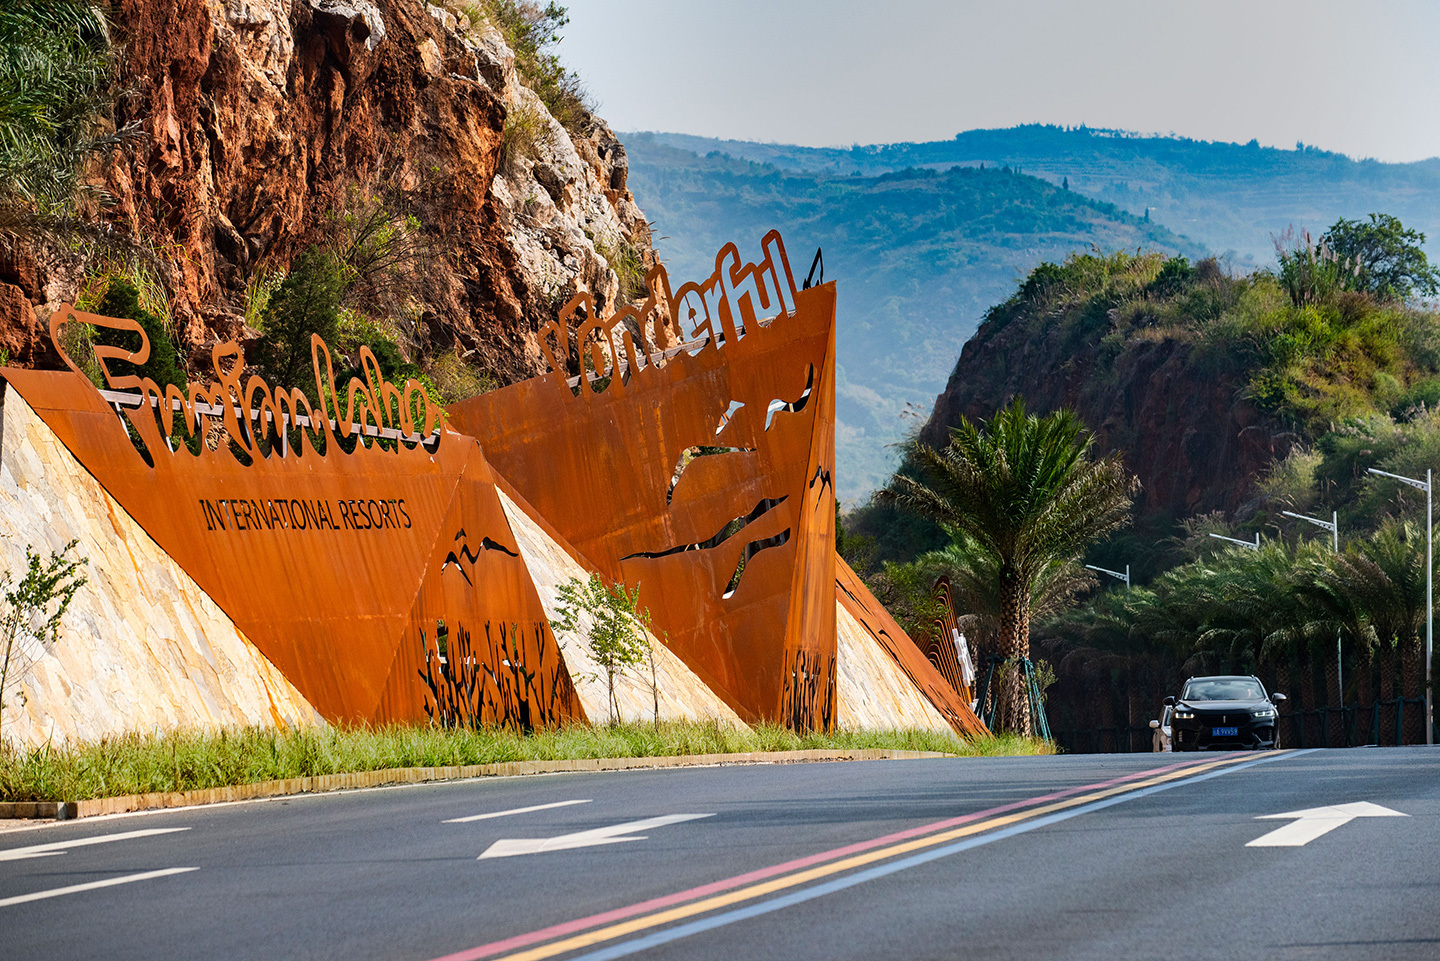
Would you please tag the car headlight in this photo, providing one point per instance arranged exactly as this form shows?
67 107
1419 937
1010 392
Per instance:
1265 713
1184 715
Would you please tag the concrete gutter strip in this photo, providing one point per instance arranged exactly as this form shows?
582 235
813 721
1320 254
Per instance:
66 810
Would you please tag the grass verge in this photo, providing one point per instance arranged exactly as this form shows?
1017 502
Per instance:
188 760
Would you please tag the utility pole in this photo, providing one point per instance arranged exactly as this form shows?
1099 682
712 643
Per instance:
1427 486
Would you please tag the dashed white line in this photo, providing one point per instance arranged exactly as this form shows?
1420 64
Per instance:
91 886
59 847
501 814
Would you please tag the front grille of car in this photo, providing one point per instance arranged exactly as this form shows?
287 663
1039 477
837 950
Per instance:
1197 733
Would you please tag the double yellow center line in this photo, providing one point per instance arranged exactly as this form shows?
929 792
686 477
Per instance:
762 889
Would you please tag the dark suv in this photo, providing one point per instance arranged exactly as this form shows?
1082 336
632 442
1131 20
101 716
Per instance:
1226 712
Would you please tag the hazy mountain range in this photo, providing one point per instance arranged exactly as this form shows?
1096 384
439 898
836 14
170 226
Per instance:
925 237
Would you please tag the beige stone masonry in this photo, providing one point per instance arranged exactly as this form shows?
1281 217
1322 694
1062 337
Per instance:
683 696
142 647
871 691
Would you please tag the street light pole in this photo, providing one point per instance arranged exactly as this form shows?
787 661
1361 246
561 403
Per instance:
1115 574
1333 526
1234 540
1126 578
1427 486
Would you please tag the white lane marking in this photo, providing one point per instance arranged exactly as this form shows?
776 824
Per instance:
1312 823
501 814
509 847
91 886
59 847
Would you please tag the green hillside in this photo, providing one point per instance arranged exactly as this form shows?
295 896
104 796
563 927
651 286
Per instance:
1234 400
1227 197
919 254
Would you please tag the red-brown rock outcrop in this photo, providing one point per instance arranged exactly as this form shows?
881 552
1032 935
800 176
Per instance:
263 116
1186 431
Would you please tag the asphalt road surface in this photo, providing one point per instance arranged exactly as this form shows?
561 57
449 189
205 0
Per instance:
1104 857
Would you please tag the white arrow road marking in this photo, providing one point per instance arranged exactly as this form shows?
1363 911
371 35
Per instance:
59 847
91 886
509 847
501 814
1313 822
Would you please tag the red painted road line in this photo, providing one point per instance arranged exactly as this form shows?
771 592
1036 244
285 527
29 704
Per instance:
642 907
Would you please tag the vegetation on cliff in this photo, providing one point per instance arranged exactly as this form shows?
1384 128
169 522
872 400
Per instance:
1310 352
371 138
1205 379
532 31
57 88
1329 352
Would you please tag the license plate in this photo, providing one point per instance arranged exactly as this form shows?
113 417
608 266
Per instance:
1224 732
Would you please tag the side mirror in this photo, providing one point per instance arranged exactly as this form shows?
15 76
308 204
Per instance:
1170 701
1155 725
1277 698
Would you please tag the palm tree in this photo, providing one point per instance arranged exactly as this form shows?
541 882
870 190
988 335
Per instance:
1383 580
56 84
1023 488
974 576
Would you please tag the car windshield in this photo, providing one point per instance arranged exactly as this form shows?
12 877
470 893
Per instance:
1224 689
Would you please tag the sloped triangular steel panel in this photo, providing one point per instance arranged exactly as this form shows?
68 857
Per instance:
686 446
878 623
477 636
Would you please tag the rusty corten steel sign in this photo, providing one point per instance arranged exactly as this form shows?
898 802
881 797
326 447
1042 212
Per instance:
691 453
363 550
940 647
355 534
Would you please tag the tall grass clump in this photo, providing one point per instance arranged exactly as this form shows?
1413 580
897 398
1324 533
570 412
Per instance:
523 134
624 259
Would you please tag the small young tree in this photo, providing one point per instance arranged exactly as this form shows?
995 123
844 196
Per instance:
615 635
36 604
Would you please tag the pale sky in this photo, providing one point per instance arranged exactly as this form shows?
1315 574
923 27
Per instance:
1361 78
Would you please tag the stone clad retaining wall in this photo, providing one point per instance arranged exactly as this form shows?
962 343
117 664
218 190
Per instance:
683 696
871 691
142 646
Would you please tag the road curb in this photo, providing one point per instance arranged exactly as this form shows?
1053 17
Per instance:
67 810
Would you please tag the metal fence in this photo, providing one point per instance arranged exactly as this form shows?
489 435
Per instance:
1381 723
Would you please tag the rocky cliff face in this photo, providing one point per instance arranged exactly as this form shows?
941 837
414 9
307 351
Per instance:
265 117
1182 426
